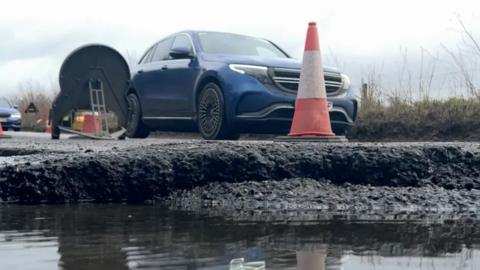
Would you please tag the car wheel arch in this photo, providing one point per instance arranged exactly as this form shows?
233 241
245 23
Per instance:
132 90
202 83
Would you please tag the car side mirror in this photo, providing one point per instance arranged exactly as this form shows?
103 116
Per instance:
180 53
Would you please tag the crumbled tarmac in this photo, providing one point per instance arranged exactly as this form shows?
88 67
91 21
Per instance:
181 172
321 194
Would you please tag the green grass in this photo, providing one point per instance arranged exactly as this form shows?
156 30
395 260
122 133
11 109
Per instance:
455 119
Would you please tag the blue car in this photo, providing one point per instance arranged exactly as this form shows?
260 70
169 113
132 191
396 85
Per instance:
224 84
10 117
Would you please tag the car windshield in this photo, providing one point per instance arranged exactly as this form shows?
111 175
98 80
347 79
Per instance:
4 103
224 43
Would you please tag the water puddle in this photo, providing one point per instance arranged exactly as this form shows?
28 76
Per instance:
148 237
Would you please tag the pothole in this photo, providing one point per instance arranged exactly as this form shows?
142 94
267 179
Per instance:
10 152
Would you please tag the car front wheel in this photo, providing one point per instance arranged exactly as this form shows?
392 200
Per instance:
212 122
135 126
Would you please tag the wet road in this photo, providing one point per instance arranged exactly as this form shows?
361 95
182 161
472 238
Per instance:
115 237
192 174
196 204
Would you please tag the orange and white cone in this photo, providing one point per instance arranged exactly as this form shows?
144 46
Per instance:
2 136
311 117
48 125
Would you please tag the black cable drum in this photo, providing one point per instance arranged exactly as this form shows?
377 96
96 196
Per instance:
96 63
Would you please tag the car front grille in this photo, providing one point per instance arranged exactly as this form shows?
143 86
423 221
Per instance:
287 80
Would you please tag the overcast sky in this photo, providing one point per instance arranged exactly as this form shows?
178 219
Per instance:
357 36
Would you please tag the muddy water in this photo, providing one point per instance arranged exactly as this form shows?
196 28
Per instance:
149 237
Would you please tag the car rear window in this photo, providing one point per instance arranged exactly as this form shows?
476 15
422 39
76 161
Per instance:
225 43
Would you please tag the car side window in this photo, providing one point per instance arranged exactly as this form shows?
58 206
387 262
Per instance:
147 56
162 51
182 41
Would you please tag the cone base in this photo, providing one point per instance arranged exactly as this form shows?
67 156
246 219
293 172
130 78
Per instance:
311 118
2 135
312 134
327 139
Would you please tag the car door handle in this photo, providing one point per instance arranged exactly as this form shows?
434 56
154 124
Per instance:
165 67
140 71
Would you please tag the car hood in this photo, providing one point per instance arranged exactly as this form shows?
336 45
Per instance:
7 111
259 61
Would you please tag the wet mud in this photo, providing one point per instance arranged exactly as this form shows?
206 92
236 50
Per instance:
193 174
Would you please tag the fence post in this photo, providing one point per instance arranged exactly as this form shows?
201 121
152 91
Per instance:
364 91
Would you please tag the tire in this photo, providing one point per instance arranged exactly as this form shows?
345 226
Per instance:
135 126
211 118
16 129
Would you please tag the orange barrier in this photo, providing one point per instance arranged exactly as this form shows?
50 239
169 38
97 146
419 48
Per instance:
91 123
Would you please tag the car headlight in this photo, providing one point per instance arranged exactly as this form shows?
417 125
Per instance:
16 115
345 82
258 72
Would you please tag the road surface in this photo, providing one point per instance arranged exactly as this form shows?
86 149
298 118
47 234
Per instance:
193 174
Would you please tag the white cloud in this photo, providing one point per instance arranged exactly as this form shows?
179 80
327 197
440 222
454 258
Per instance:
35 36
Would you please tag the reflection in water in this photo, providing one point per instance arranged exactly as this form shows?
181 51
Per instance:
311 259
241 264
28 250
147 237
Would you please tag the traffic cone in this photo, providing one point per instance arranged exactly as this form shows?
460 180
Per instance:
2 136
48 126
311 120
46 122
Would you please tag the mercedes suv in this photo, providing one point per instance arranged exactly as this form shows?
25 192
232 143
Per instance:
224 84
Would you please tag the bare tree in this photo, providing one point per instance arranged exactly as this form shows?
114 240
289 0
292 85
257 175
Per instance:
33 92
469 35
463 60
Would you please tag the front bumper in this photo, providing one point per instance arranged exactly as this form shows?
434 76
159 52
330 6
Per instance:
278 118
11 123
264 108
